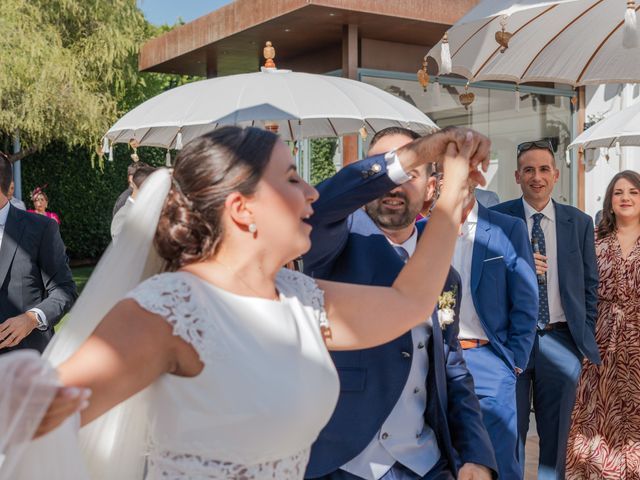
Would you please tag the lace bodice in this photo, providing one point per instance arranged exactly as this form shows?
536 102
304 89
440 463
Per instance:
267 388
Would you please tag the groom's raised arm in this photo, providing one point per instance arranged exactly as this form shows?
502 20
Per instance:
342 194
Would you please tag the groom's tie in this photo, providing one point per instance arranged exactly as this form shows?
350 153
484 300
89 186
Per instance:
402 253
543 298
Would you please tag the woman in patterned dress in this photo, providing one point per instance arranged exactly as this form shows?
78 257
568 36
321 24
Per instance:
604 440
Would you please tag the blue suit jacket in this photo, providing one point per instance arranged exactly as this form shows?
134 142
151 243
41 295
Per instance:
577 271
349 247
504 287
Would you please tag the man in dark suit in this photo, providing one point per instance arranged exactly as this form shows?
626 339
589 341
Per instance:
563 242
407 409
36 286
498 317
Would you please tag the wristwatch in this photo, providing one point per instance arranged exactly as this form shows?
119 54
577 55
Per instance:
41 325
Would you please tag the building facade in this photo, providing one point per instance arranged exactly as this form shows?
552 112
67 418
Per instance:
383 43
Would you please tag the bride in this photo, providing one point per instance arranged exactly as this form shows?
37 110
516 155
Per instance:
217 368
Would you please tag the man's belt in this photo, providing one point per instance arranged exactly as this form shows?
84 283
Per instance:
554 326
473 343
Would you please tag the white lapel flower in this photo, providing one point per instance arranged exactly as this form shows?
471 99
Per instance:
446 304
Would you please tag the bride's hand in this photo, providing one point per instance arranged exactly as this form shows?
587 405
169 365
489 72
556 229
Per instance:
433 148
68 400
460 172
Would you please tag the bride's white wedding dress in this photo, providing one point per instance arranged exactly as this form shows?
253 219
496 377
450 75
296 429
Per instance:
267 388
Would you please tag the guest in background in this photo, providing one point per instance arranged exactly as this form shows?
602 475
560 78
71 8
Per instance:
16 202
41 202
498 316
136 182
568 297
604 442
122 198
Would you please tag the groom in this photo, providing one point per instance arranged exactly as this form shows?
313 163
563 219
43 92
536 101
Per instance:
407 409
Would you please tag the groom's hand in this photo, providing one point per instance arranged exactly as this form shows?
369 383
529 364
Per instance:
473 471
15 329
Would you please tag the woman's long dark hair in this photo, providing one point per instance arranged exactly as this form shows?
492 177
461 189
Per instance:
607 224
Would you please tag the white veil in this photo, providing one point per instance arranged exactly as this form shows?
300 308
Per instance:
113 446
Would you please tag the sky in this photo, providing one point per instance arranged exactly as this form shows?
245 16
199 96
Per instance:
160 12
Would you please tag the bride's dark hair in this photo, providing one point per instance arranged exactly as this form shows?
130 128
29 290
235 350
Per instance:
207 170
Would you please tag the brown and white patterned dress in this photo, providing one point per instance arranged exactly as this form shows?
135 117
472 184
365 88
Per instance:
604 442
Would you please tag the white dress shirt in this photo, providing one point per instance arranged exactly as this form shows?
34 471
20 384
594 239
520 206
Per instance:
470 325
4 214
548 225
404 437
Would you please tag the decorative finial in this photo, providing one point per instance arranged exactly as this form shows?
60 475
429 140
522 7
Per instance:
445 56
133 143
630 29
423 76
271 126
503 37
467 97
269 54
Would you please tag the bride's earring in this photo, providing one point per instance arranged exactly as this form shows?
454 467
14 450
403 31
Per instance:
253 228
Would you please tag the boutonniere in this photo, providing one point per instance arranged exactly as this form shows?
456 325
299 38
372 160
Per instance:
446 304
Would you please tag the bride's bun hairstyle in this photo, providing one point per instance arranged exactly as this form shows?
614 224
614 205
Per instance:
207 170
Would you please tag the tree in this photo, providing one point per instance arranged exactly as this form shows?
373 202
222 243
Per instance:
64 68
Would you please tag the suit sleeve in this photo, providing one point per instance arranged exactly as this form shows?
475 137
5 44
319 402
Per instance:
469 435
342 194
523 295
56 276
590 277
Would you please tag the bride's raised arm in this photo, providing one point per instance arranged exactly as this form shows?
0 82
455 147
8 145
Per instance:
363 316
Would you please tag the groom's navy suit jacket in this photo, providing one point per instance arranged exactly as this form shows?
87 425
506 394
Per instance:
349 247
577 271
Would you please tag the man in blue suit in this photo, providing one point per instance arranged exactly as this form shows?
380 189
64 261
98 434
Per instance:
563 242
487 198
498 317
407 409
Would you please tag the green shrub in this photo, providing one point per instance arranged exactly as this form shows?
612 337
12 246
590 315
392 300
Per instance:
83 195
322 152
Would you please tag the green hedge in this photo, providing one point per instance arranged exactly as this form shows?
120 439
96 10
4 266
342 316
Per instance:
83 195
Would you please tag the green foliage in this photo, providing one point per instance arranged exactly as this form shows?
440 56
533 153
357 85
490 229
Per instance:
81 195
64 64
69 69
322 152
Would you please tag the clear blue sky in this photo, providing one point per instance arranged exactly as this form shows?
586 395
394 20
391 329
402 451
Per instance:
159 12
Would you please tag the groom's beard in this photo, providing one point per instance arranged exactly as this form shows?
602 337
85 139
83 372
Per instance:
393 217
